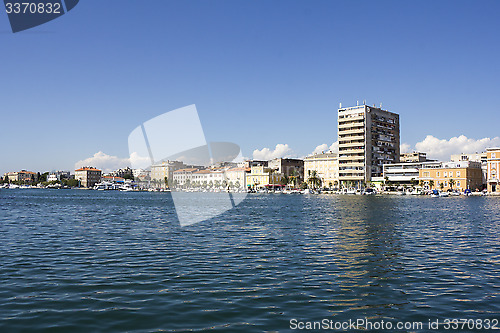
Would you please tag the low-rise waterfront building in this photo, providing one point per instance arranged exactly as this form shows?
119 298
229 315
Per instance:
124 173
88 176
251 163
414 157
405 173
237 177
141 174
475 157
183 177
290 167
208 178
460 175
326 167
493 168
163 170
56 176
22 176
262 176
113 179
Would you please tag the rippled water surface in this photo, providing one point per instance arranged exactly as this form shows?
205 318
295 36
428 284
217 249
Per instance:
87 261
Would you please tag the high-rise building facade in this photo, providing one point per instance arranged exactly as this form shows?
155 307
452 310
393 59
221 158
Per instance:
368 138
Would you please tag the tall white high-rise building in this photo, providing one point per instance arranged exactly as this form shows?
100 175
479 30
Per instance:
368 139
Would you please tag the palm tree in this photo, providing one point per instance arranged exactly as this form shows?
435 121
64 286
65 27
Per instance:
452 182
431 183
284 180
313 179
293 178
441 186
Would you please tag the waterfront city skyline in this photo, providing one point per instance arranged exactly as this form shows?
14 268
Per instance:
75 88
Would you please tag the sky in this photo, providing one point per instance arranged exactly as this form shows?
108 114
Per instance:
267 75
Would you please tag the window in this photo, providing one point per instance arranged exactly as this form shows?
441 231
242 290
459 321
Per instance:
445 174
458 183
451 173
437 174
458 173
493 155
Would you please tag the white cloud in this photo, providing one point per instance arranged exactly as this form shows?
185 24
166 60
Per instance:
104 162
334 147
405 148
321 148
281 150
442 149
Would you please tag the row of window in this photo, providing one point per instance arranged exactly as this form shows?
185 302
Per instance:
446 174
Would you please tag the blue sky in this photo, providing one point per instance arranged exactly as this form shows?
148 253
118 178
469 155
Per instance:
261 73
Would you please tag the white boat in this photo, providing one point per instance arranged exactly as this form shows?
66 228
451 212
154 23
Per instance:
444 194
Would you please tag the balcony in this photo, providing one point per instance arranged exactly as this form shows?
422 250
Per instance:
353 125
351 151
352 118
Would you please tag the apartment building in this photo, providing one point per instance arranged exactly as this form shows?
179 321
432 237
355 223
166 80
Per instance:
22 176
88 176
326 166
414 157
405 173
183 177
55 176
288 167
493 167
165 169
368 138
262 176
208 177
475 157
460 176
237 177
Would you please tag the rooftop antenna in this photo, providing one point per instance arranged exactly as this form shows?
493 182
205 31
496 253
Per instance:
364 102
340 105
357 103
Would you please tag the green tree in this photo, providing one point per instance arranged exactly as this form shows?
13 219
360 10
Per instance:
431 183
441 186
166 181
294 177
284 180
314 179
414 182
452 182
